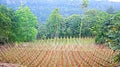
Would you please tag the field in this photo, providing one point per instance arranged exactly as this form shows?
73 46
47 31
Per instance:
63 52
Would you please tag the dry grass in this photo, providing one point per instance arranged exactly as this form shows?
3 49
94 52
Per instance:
73 52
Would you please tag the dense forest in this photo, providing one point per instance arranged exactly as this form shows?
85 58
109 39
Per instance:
22 24
43 8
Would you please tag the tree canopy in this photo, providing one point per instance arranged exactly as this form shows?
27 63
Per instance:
54 22
27 21
6 23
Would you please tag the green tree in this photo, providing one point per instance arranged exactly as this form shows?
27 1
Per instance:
42 31
87 25
73 25
5 27
110 30
7 22
26 22
84 6
54 23
95 19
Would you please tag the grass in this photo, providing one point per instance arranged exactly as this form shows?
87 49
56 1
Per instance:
66 41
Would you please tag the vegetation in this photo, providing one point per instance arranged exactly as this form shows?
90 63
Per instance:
43 8
26 22
22 26
7 20
17 26
54 23
110 31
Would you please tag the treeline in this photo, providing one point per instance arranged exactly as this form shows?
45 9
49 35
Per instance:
76 25
22 25
104 26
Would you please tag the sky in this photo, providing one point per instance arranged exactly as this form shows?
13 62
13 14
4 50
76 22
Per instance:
115 0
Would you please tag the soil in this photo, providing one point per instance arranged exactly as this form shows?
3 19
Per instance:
58 56
9 65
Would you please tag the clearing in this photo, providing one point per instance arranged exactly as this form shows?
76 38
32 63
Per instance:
58 53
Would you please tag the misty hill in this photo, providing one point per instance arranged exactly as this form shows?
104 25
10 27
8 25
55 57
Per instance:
42 8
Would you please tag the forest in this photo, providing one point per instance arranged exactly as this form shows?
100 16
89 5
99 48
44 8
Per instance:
92 26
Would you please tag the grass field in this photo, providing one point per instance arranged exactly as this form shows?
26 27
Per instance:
66 52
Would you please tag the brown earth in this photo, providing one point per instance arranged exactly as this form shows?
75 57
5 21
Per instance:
9 65
57 56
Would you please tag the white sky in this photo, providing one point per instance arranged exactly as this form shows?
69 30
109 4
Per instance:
115 0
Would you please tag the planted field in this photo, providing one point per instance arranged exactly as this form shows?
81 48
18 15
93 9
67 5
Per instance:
71 52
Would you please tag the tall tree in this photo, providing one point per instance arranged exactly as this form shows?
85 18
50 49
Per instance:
54 22
99 19
84 6
26 22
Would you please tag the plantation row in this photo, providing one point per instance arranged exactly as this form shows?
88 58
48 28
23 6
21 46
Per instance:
58 55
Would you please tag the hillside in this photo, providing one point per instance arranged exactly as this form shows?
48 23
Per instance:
42 8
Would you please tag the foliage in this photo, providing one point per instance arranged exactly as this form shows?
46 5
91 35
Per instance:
53 23
42 8
22 26
95 23
42 31
73 25
110 34
26 22
113 32
66 27
6 24
84 3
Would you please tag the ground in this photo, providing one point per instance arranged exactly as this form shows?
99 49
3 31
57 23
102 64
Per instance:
58 55
9 65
